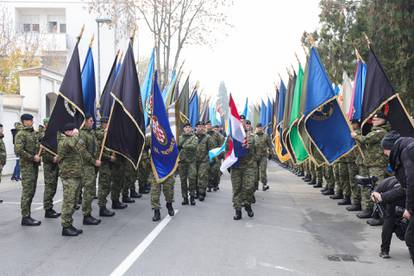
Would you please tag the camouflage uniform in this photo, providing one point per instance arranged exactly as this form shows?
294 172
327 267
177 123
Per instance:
117 177
130 176
352 172
144 168
375 161
70 171
243 176
26 147
316 173
215 173
167 189
104 181
205 144
336 173
262 145
50 173
89 156
187 166
329 176
344 182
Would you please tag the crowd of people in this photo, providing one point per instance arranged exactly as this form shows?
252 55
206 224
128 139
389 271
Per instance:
375 179
81 162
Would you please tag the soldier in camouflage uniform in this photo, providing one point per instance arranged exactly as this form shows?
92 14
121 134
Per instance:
50 173
328 174
70 146
307 165
144 169
104 181
205 144
242 178
263 146
187 145
374 161
3 154
344 180
316 175
130 176
217 141
221 138
117 178
89 163
27 148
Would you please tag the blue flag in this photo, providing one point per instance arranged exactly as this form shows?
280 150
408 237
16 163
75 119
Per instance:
279 118
88 85
359 90
269 114
246 109
324 120
146 87
164 151
194 109
263 114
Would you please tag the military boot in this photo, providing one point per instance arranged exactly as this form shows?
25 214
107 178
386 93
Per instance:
312 182
192 200
76 207
80 199
384 255
80 231
127 199
307 178
318 185
185 201
90 220
50 213
345 201
238 214
134 194
337 196
170 209
116 204
249 210
300 174
201 197
157 215
103 212
328 192
365 214
29 221
209 189
324 189
354 208
69 232
375 221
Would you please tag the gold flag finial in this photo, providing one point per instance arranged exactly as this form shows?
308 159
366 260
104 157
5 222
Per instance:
81 32
311 40
297 58
358 55
367 39
91 42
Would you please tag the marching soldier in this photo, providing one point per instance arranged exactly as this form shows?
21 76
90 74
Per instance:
117 178
70 146
51 175
3 154
205 144
27 148
217 140
187 145
128 189
262 146
144 169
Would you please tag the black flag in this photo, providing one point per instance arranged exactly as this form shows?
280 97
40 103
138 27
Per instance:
69 104
106 100
126 125
379 94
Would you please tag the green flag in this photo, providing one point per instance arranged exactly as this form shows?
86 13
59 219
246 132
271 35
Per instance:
293 135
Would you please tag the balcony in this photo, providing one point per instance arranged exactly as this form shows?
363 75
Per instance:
43 42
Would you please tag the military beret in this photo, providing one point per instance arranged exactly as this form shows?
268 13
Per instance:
26 117
69 126
248 122
389 139
200 123
259 125
186 125
88 115
208 122
46 120
104 119
242 117
381 115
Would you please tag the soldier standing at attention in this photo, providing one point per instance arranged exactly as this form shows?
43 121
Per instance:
242 178
104 182
205 144
27 148
3 154
89 162
262 145
214 174
70 146
187 145
51 175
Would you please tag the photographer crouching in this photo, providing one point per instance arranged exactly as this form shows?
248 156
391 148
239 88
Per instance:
400 151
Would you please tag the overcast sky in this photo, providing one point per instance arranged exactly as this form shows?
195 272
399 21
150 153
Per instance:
265 36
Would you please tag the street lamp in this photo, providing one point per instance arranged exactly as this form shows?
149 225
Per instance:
100 21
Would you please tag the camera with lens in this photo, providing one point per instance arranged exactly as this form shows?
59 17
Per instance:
399 211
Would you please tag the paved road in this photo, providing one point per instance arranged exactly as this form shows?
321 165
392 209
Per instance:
295 231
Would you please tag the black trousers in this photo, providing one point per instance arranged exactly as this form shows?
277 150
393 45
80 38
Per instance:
409 238
388 227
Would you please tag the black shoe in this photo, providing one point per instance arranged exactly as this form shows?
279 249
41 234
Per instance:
185 201
354 208
170 209
1 200
209 189
29 221
265 187
118 205
103 212
192 201
157 215
76 207
80 231
201 197
324 189
95 197
90 220
384 255
127 199
238 214
365 214
328 192
345 201
318 185
50 213
375 222
337 196
249 210
216 189
312 182
69 232
307 178
134 194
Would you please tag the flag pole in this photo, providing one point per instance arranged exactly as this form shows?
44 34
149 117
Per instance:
81 32
358 55
91 42
106 133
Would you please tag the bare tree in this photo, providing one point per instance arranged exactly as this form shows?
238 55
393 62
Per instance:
173 24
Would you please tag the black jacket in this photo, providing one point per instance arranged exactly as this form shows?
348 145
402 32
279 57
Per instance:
391 190
402 162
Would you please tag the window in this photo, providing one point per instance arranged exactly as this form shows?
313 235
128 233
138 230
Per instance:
26 28
62 28
52 27
35 28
